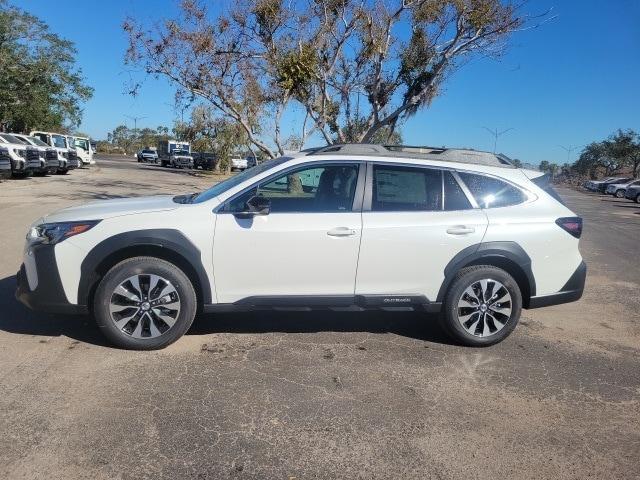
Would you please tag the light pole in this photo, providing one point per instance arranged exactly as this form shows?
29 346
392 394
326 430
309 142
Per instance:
569 149
496 133
135 125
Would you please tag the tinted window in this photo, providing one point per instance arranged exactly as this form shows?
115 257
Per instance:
406 189
328 188
236 180
543 182
454 197
490 192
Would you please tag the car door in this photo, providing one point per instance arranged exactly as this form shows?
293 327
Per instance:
306 246
414 221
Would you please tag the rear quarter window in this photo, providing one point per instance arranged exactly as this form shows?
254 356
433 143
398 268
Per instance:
490 192
543 181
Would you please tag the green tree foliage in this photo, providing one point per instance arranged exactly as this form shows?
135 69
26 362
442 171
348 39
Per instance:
347 65
128 140
40 85
620 150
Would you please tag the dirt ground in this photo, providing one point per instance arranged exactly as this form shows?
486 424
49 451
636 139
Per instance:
321 394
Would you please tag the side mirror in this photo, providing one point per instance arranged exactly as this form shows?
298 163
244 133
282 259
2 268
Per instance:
259 205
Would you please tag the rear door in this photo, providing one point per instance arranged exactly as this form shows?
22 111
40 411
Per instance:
415 220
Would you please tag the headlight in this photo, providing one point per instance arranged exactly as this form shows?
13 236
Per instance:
20 152
53 233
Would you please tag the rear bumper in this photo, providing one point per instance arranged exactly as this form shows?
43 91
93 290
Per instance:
571 292
48 294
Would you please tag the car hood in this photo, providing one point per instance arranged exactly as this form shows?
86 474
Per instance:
112 208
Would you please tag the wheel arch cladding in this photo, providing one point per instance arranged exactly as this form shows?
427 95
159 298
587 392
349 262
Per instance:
166 244
508 256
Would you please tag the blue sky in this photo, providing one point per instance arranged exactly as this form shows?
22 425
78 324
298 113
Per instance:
574 80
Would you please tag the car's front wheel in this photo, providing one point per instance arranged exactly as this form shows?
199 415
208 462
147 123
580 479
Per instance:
482 306
620 194
144 303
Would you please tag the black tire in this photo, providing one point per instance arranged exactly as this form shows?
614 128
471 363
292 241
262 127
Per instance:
619 193
638 198
63 171
465 278
144 266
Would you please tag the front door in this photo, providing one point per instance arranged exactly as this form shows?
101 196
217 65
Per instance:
306 246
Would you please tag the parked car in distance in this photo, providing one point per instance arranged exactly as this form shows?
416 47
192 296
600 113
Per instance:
20 164
633 193
5 163
602 187
204 160
36 160
592 185
459 232
618 189
48 155
239 164
147 155
66 160
84 150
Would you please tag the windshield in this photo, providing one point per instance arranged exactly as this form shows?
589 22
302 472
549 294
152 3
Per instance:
37 141
225 185
59 141
181 152
148 151
12 139
82 143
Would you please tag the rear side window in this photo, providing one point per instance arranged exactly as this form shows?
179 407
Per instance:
398 189
454 197
543 182
490 192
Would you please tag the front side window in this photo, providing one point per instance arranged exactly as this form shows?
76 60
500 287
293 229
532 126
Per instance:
82 143
321 188
398 188
490 192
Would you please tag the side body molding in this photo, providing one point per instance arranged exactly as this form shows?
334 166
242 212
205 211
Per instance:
168 241
497 251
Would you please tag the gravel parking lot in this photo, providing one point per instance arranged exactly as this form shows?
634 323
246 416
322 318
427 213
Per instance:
321 394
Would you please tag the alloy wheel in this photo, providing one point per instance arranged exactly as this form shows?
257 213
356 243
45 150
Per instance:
484 308
144 306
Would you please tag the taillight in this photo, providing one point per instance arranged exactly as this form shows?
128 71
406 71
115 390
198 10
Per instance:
572 225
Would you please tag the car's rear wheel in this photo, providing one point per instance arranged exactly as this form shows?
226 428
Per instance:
144 303
638 198
482 306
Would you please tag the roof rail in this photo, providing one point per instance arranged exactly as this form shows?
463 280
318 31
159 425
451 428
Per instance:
444 154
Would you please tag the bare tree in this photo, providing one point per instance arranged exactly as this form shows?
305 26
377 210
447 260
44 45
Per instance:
357 68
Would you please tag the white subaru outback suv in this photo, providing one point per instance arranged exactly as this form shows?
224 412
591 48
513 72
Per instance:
459 232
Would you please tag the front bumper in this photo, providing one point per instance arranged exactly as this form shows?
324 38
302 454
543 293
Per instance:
571 292
47 294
